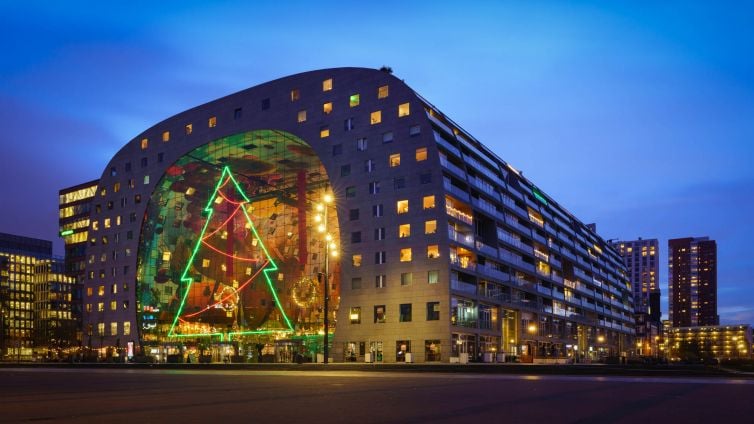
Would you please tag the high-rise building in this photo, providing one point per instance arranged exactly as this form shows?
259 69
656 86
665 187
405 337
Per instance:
220 232
20 257
692 282
75 205
56 310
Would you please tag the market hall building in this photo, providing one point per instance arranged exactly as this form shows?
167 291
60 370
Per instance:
217 233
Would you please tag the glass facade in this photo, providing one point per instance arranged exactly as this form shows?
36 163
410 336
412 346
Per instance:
233 247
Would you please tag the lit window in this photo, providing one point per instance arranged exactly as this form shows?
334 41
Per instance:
113 305
404 230
107 222
433 276
395 160
113 328
356 260
401 206
324 132
428 202
301 116
403 110
166 136
355 315
295 95
405 255
327 108
430 227
212 122
100 306
433 251
382 92
89 291
379 314
101 290
205 263
146 180
375 117
407 278
189 128
116 187
421 154
101 328
353 101
327 84
144 143
126 328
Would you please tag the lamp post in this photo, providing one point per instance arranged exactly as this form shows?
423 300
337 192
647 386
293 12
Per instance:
532 329
330 249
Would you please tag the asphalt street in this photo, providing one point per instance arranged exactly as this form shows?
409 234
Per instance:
243 396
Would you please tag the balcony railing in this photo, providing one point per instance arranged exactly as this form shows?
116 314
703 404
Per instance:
452 168
462 287
456 191
466 239
463 262
484 248
459 215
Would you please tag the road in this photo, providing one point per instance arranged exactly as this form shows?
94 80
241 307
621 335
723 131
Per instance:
356 397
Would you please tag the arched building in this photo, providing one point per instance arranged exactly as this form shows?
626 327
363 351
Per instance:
209 234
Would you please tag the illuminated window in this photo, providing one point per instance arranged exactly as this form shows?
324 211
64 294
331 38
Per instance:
205 263
395 160
355 315
382 92
403 110
433 276
324 132
146 180
116 187
375 117
356 260
212 122
405 255
404 230
189 128
327 108
379 314
430 227
95 225
101 291
401 206
302 116
126 328
107 222
407 278
433 251
101 307
113 305
144 143
295 94
421 154
354 100
327 84
166 256
101 328
428 202
166 136
113 328
89 291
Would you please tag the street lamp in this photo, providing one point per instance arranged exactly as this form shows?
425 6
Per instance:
330 250
532 329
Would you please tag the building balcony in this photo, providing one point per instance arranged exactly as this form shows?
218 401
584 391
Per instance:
456 191
459 215
486 249
452 168
462 287
465 239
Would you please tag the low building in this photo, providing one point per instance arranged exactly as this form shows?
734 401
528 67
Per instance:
714 341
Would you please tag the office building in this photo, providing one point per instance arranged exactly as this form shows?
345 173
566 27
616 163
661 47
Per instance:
692 282
218 234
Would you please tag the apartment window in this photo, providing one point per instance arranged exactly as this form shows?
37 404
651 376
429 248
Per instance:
345 170
301 116
101 291
433 251
401 206
399 183
355 315
355 283
113 305
354 100
414 130
433 276
380 281
327 108
189 128
353 214
266 103
407 278
337 149
404 312
405 255
433 311
100 306
146 180
212 122
324 131
375 117
361 144
113 328
374 187
144 143
107 222
428 202
403 110
295 94
387 137
238 113
430 227
101 328
351 191
379 233
126 328
382 92
394 160
379 314
166 136
327 84
379 257
348 124
377 211
404 230
356 237
368 165
356 260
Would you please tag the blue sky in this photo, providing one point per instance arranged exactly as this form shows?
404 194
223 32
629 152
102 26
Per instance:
638 116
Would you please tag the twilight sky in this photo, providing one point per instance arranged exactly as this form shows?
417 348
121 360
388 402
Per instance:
637 116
